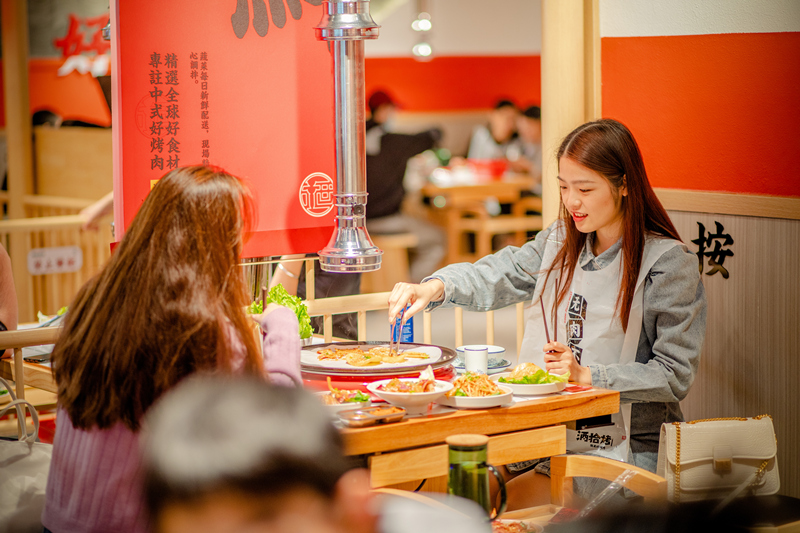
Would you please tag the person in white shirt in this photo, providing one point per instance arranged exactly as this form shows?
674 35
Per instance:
493 140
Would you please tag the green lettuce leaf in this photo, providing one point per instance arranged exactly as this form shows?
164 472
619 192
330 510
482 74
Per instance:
539 377
279 296
255 308
358 398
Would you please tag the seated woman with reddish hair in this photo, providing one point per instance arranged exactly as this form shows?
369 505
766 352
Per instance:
169 303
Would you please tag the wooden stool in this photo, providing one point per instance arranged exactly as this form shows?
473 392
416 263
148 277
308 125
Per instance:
394 263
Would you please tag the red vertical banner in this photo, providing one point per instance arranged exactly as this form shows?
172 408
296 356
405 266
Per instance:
228 83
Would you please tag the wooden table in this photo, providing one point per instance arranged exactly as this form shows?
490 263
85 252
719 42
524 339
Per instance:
414 448
469 198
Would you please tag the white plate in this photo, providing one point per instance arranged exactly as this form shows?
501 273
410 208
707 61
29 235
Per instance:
529 390
335 408
478 402
309 356
413 402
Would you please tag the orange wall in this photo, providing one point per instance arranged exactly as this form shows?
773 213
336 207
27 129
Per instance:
73 97
456 83
710 112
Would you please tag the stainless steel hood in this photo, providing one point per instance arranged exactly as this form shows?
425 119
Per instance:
345 25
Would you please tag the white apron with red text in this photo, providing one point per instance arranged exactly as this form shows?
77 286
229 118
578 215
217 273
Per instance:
587 323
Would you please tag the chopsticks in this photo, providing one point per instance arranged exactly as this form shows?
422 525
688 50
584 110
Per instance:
544 319
555 320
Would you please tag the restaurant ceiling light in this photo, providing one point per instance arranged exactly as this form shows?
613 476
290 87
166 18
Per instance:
345 25
422 23
422 50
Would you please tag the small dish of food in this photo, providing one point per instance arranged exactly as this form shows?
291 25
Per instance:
515 526
369 416
340 399
475 391
413 395
527 379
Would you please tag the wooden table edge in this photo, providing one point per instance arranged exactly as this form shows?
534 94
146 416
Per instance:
415 432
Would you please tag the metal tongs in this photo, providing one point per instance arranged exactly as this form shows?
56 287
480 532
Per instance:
395 346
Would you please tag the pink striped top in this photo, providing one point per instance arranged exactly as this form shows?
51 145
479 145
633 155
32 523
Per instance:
95 476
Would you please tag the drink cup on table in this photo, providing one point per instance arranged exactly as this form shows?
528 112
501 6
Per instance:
476 358
469 472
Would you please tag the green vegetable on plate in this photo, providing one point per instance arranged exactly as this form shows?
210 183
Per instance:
540 377
278 295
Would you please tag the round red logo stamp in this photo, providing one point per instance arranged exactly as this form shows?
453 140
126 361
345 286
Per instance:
316 194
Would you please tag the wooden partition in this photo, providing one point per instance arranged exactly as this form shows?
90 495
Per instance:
749 365
53 222
73 162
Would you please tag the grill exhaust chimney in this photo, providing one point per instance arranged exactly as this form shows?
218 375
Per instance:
345 25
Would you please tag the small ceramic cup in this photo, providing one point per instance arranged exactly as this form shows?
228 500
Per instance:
496 354
476 359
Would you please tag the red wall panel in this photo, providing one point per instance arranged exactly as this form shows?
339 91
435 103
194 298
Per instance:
456 83
710 112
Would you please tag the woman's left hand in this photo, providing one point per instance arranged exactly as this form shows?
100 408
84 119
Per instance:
559 359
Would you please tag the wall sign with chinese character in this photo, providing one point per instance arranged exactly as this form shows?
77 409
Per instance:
713 248
55 260
193 87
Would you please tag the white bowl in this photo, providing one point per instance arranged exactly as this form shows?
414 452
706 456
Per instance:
477 402
336 407
529 390
414 402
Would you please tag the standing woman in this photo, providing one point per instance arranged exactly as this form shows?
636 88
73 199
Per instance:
169 303
615 280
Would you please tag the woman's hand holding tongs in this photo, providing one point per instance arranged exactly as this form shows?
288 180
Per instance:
418 295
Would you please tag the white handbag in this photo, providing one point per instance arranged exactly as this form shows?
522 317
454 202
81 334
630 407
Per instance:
24 465
719 458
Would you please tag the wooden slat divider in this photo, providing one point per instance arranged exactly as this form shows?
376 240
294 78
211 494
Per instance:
459 313
520 308
348 304
427 328
489 327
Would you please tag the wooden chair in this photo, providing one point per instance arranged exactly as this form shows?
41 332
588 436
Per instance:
394 263
564 467
476 220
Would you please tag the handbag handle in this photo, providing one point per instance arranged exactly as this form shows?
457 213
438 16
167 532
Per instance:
20 406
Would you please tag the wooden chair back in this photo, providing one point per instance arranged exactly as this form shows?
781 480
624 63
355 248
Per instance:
361 303
564 467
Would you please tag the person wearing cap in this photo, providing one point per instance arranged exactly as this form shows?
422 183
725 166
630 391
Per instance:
493 140
388 153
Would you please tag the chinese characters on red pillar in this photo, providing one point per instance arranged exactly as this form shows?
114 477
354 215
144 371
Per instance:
164 111
204 145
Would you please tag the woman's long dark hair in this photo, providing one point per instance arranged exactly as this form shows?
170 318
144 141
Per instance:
608 148
170 302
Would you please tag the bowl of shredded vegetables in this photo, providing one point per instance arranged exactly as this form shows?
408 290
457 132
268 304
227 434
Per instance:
476 391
